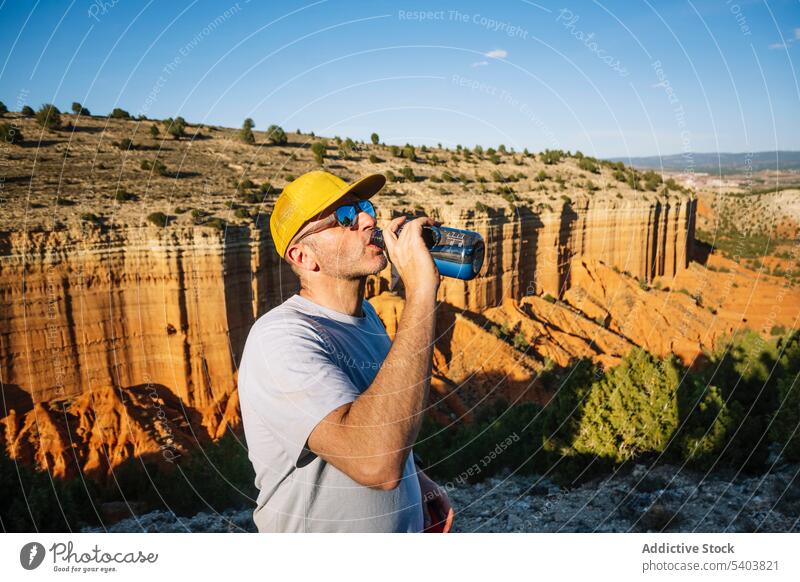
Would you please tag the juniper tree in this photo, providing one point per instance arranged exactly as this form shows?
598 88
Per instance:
49 116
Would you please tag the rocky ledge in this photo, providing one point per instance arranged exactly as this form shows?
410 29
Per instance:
637 498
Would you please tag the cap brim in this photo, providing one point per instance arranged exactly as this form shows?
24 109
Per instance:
367 186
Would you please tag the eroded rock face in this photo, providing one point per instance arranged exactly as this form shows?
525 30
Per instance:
85 314
529 253
93 320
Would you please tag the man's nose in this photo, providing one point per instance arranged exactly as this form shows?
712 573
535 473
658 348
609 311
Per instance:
365 220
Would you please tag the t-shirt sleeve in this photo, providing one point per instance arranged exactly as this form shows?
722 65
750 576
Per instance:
296 384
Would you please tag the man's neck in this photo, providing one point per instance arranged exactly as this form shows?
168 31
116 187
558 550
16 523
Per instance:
342 295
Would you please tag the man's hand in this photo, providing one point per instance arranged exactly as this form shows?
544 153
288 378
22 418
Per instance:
411 258
435 495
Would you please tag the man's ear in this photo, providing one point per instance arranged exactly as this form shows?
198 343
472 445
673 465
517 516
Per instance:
302 258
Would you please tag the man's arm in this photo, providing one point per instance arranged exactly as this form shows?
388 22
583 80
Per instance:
369 439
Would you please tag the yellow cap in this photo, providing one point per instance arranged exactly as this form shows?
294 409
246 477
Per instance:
308 196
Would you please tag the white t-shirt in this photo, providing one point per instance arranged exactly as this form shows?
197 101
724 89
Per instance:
300 362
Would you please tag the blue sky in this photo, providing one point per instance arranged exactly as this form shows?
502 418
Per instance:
610 79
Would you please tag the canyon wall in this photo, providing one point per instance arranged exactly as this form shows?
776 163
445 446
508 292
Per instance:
529 252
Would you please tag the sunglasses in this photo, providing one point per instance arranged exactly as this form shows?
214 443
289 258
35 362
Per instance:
345 216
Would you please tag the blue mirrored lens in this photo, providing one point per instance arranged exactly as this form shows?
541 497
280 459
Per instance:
346 215
367 207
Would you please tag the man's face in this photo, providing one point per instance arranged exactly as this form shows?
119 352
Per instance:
345 253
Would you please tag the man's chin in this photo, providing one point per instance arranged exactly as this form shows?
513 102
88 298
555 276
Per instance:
380 265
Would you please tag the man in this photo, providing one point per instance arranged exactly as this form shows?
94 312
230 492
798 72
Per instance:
331 406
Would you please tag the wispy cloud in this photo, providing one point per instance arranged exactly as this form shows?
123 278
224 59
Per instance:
479 64
497 54
787 43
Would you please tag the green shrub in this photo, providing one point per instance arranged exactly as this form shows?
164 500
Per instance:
318 148
219 475
481 207
709 425
27 111
375 139
408 174
245 184
246 133
30 500
632 410
124 144
746 372
652 180
551 157
374 159
118 113
216 223
777 330
79 109
90 217
10 134
409 153
49 116
158 218
276 135
156 166
176 127
3 109
123 196
198 215
589 165
500 437
154 133
785 429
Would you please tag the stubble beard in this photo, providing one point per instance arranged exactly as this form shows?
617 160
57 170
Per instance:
354 264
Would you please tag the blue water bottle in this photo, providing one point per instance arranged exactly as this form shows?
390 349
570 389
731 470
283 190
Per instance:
457 253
